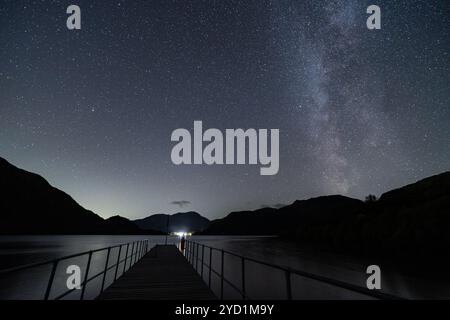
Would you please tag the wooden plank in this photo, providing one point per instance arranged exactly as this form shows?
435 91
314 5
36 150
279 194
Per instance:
162 274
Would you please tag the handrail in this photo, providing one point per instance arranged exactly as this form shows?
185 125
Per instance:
139 249
38 264
192 256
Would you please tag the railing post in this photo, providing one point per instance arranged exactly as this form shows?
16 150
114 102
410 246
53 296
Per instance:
210 267
196 258
50 280
126 257
203 256
118 262
136 255
190 252
137 251
288 285
221 275
243 277
138 247
83 289
143 248
106 269
131 255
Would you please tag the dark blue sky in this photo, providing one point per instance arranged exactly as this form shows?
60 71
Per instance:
359 111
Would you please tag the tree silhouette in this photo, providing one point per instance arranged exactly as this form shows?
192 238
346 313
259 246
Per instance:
371 198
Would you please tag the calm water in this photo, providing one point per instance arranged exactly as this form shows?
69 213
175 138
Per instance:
262 282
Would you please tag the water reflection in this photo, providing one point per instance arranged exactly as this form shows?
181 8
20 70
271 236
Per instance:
261 282
32 283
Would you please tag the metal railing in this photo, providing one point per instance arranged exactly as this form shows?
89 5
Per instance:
138 250
195 255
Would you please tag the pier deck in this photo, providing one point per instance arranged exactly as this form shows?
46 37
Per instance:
162 274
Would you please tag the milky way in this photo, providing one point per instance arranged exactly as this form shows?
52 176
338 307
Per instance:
359 111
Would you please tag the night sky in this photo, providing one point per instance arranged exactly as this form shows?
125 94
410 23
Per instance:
359 111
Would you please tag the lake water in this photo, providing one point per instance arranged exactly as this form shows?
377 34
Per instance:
262 282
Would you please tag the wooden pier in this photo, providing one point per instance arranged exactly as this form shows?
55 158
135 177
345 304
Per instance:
162 274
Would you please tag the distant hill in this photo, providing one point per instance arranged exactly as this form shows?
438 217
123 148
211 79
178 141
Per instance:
258 222
412 221
270 221
425 190
183 221
121 225
329 209
30 205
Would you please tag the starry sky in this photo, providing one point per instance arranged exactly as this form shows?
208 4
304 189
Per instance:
359 111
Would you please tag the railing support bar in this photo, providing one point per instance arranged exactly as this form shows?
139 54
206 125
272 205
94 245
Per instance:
118 262
126 258
203 256
86 276
50 280
106 269
196 258
221 275
132 254
243 277
210 267
288 285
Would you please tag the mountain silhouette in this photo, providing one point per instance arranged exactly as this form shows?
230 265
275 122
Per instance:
121 225
271 221
410 223
425 190
182 221
30 205
258 222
